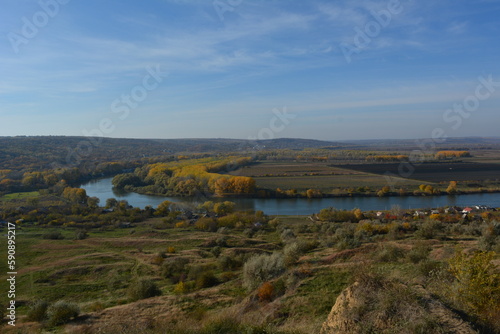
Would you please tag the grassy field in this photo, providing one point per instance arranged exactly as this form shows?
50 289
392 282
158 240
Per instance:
20 196
98 271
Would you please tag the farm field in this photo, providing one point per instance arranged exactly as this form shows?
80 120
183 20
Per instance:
323 176
288 168
438 172
328 183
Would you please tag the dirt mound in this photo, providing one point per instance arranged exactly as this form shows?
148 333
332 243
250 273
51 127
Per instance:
381 306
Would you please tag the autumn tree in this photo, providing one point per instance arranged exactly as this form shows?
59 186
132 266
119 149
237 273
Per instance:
75 195
224 208
452 188
163 208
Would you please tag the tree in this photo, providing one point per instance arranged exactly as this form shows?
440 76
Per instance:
452 188
75 195
93 202
313 193
224 208
208 206
163 209
123 205
111 203
129 179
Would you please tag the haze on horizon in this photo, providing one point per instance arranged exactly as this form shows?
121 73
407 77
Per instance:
342 70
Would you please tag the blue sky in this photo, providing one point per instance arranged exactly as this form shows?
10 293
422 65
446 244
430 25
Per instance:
227 64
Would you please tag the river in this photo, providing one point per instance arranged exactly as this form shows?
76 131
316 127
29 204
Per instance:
103 189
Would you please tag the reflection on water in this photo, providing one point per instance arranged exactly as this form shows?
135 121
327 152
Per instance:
103 189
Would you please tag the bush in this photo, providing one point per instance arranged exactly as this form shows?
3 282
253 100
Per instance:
418 253
62 312
216 251
221 241
287 235
490 237
206 280
38 311
229 263
477 285
389 253
261 268
428 268
345 238
80 235
266 292
292 253
142 289
56 235
181 288
429 229
174 268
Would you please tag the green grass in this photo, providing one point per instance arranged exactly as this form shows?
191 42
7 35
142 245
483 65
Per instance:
23 195
316 296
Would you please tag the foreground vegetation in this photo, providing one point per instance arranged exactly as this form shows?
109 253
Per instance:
214 270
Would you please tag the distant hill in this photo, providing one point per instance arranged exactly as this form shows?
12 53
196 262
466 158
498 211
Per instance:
465 143
40 152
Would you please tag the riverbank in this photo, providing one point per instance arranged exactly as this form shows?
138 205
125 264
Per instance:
103 189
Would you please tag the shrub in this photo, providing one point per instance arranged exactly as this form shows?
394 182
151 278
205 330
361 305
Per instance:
477 286
80 235
228 276
389 253
206 280
174 268
339 216
38 311
292 253
428 230
279 287
56 235
142 289
182 225
418 253
181 288
229 263
226 325
287 235
266 292
273 223
262 268
62 312
345 238
221 241
428 268
216 251
490 237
